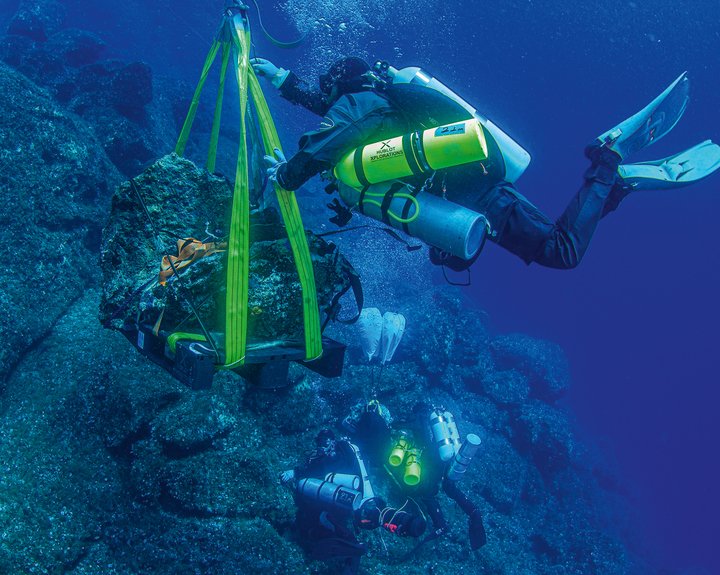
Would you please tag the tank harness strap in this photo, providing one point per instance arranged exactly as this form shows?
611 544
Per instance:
361 201
334 308
359 170
387 200
406 208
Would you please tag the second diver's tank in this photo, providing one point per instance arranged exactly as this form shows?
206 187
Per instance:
515 157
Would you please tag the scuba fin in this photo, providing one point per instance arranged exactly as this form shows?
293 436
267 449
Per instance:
478 537
651 123
675 171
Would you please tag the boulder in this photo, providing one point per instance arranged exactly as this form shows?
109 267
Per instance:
75 47
183 201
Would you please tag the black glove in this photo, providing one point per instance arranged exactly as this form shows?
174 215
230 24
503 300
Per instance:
343 214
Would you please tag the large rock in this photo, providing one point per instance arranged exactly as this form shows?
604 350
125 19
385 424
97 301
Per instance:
55 180
37 19
184 201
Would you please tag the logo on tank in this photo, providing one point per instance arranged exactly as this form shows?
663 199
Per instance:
386 150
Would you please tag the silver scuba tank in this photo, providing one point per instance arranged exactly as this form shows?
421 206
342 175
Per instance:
463 457
329 495
441 435
452 428
446 225
345 479
516 158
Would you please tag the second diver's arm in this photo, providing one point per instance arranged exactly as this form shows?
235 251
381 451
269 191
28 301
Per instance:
297 91
321 149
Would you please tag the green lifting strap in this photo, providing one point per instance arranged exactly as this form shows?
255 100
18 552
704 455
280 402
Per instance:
215 133
234 33
294 226
190 118
238 261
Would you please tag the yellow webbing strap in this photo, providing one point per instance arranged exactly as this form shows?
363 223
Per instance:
190 118
214 134
294 226
238 262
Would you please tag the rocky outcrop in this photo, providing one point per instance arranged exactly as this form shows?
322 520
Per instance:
56 182
106 460
135 116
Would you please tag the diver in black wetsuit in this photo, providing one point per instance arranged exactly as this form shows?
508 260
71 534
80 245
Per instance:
425 452
356 112
335 500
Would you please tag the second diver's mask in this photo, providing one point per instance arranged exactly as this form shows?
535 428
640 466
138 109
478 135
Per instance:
344 76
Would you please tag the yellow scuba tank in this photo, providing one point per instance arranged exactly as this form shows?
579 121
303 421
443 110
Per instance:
413 470
397 455
414 153
515 159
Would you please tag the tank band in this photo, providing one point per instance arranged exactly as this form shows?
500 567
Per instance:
419 151
410 156
406 209
358 164
387 200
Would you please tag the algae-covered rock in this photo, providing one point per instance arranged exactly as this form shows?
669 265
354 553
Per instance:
543 363
55 181
544 432
172 200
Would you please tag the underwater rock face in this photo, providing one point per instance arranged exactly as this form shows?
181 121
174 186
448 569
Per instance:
37 19
56 181
76 47
544 363
110 462
184 201
134 115
92 482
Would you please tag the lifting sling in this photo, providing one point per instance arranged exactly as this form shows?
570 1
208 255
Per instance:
233 39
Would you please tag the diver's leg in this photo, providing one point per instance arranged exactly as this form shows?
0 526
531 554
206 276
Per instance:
476 529
524 230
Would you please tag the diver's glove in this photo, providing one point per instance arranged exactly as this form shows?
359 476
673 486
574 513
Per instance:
266 69
287 477
342 214
274 164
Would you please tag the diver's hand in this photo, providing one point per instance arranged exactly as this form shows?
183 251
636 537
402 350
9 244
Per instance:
266 69
287 477
274 164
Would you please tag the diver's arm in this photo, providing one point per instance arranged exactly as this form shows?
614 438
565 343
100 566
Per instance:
297 91
321 149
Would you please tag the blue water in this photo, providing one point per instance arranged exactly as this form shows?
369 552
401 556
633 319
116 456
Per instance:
639 318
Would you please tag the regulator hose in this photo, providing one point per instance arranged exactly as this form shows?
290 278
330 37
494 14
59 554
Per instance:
278 43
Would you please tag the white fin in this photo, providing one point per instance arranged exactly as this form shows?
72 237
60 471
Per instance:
393 328
370 324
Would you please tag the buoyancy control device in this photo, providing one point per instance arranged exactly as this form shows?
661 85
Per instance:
515 158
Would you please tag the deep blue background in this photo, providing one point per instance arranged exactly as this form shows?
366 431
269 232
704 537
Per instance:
639 319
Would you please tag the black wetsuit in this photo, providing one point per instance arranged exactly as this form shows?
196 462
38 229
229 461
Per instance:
518 226
324 534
